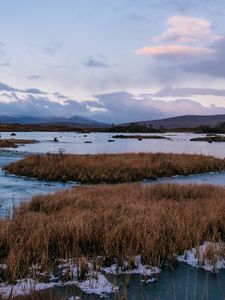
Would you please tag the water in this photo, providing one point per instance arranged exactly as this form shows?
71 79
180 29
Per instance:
206 178
184 282
74 143
14 189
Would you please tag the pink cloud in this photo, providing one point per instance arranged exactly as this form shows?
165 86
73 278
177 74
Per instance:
188 29
174 50
185 36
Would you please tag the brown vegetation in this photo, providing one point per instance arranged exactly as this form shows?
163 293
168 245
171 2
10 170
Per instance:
113 168
210 139
138 136
114 221
14 143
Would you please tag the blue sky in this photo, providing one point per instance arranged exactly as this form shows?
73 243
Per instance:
93 49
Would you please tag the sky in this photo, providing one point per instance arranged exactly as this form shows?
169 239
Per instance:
117 61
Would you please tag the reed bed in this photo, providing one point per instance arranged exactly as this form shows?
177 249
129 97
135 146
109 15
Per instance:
113 168
156 222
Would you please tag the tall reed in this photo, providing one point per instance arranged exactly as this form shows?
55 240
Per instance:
112 221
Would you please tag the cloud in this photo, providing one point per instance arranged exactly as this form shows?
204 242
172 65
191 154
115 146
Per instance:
6 88
188 29
212 66
61 66
14 104
186 37
60 96
124 107
34 91
35 77
2 53
2 50
95 63
49 51
137 17
117 107
4 64
188 92
52 48
174 50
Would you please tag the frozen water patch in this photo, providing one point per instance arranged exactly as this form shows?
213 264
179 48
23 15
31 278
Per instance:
98 286
209 256
23 287
94 282
141 269
89 276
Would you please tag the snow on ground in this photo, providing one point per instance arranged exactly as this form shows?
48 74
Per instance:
23 287
209 256
94 283
144 270
98 286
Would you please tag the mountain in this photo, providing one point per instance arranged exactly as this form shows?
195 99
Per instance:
186 121
78 121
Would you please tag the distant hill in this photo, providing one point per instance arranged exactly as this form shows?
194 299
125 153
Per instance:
187 121
180 122
74 120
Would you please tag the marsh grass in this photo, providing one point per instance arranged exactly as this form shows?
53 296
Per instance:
13 143
113 168
119 222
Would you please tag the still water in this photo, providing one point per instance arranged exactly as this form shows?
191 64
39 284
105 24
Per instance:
76 143
14 189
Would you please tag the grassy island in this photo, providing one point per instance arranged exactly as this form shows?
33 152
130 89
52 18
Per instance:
14 143
209 139
113 168
139 137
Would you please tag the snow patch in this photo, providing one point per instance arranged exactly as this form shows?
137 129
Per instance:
144 270
23 287
93 281
209 256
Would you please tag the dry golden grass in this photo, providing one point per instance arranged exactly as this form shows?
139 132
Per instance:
113 168
13 143
114 221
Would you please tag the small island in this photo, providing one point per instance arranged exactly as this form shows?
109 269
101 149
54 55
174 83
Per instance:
139 137
112 168
209 139
14 143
